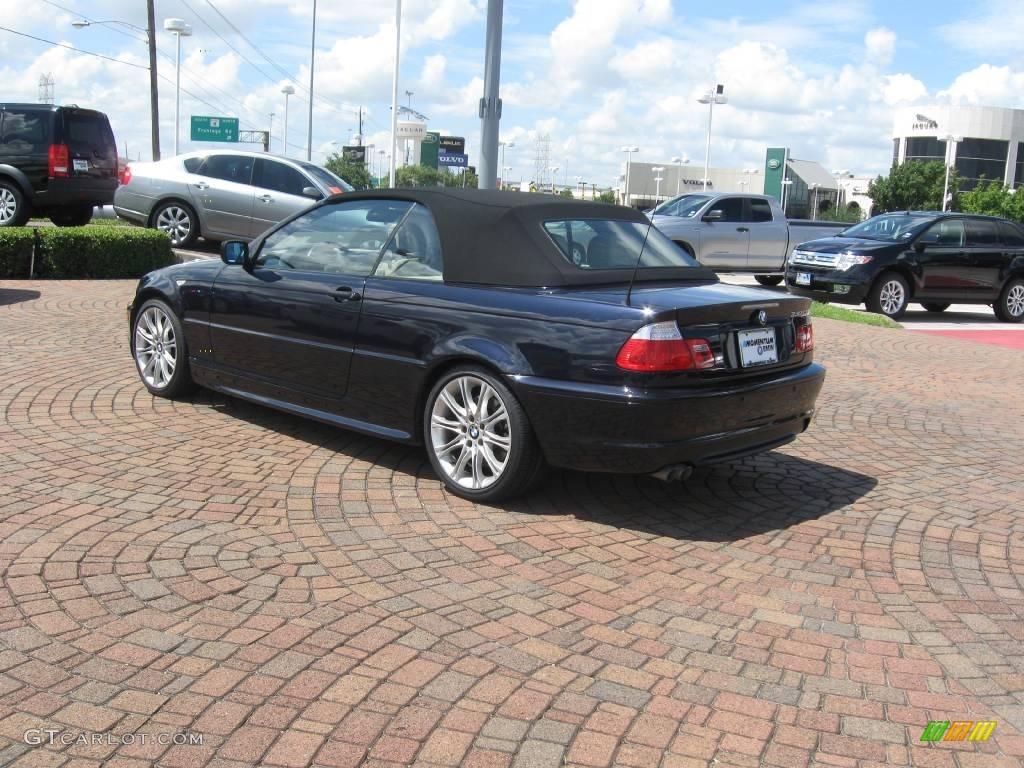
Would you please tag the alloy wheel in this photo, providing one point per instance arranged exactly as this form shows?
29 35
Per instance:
1015 300
176 222
156 349
470 432
8 206
891 297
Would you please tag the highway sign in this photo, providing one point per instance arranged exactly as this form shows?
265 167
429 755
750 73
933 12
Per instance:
205 128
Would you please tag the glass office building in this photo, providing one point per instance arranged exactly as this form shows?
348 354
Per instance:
987 141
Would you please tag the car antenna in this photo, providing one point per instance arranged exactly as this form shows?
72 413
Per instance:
639 258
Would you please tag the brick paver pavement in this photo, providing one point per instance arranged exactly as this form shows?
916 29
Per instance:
299 595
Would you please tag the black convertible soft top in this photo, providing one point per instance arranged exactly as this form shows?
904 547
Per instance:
497 238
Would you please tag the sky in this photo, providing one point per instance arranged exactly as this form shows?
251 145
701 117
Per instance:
822 78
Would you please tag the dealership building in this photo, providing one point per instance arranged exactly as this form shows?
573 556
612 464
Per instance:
985 142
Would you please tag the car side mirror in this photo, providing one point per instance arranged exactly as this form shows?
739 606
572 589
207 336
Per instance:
714 215
312 192
234 252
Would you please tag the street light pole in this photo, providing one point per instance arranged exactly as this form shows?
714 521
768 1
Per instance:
312 59
951 142
711 98
656 170
629 150
504 145
394 92
180 29
814 208
154 100
679 170
287 90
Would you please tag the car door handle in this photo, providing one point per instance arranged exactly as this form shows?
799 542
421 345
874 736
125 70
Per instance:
742 229
202 185
265 199
344 293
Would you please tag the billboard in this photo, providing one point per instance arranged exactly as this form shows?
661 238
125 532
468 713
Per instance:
452 159
406 130
452 144
429 149
354 154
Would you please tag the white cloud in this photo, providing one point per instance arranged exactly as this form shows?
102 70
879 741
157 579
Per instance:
880 44
989 29
987 85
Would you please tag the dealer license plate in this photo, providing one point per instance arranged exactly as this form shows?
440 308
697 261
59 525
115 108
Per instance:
757 347
80 165
803 278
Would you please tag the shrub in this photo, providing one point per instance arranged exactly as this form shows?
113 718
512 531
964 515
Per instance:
101 252
16 244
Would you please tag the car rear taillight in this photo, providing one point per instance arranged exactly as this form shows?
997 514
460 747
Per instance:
57 166
661 347
804 337
126 174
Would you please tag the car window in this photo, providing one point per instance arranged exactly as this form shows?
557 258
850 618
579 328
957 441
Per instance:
949 232
87 134
236 168
344 238
1012 235
760 210
982 233
414 253
282 178
24 132
192 164
891 227
613 244
334 184
731 208
684 205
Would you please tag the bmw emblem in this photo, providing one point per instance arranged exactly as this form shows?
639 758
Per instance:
762 316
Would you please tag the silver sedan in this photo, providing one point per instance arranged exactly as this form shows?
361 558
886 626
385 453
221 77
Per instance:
220 194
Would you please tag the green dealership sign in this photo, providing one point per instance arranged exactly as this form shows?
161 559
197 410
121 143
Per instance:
206 128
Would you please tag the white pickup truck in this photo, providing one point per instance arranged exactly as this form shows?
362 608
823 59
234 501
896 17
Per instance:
736 232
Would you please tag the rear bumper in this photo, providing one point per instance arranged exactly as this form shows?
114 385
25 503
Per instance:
609 429
833 286
76 191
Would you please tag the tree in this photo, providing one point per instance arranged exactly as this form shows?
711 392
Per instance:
419 176
565 193
993 199
844 214
914 185
354 173
608 196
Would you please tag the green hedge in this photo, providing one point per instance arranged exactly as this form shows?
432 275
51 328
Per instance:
16 244
93 251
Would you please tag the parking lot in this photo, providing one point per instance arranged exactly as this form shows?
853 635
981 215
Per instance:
299 595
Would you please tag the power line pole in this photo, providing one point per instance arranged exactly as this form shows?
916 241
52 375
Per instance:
154 102
46 84
490 104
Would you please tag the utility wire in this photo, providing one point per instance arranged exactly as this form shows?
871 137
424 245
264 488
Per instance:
72 48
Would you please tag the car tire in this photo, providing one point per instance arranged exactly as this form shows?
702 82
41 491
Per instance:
486 452
160 351
1010 307
768 280
73 217
179 221
936 306
15 210
889 296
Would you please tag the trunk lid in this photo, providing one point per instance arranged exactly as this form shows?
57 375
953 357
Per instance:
90 142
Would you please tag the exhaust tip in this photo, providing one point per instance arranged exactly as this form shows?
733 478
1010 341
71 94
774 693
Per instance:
674 473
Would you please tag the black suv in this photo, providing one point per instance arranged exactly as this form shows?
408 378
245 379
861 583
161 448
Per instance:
54 161
932 258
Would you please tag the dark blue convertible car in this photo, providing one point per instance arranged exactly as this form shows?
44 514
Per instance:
505 331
